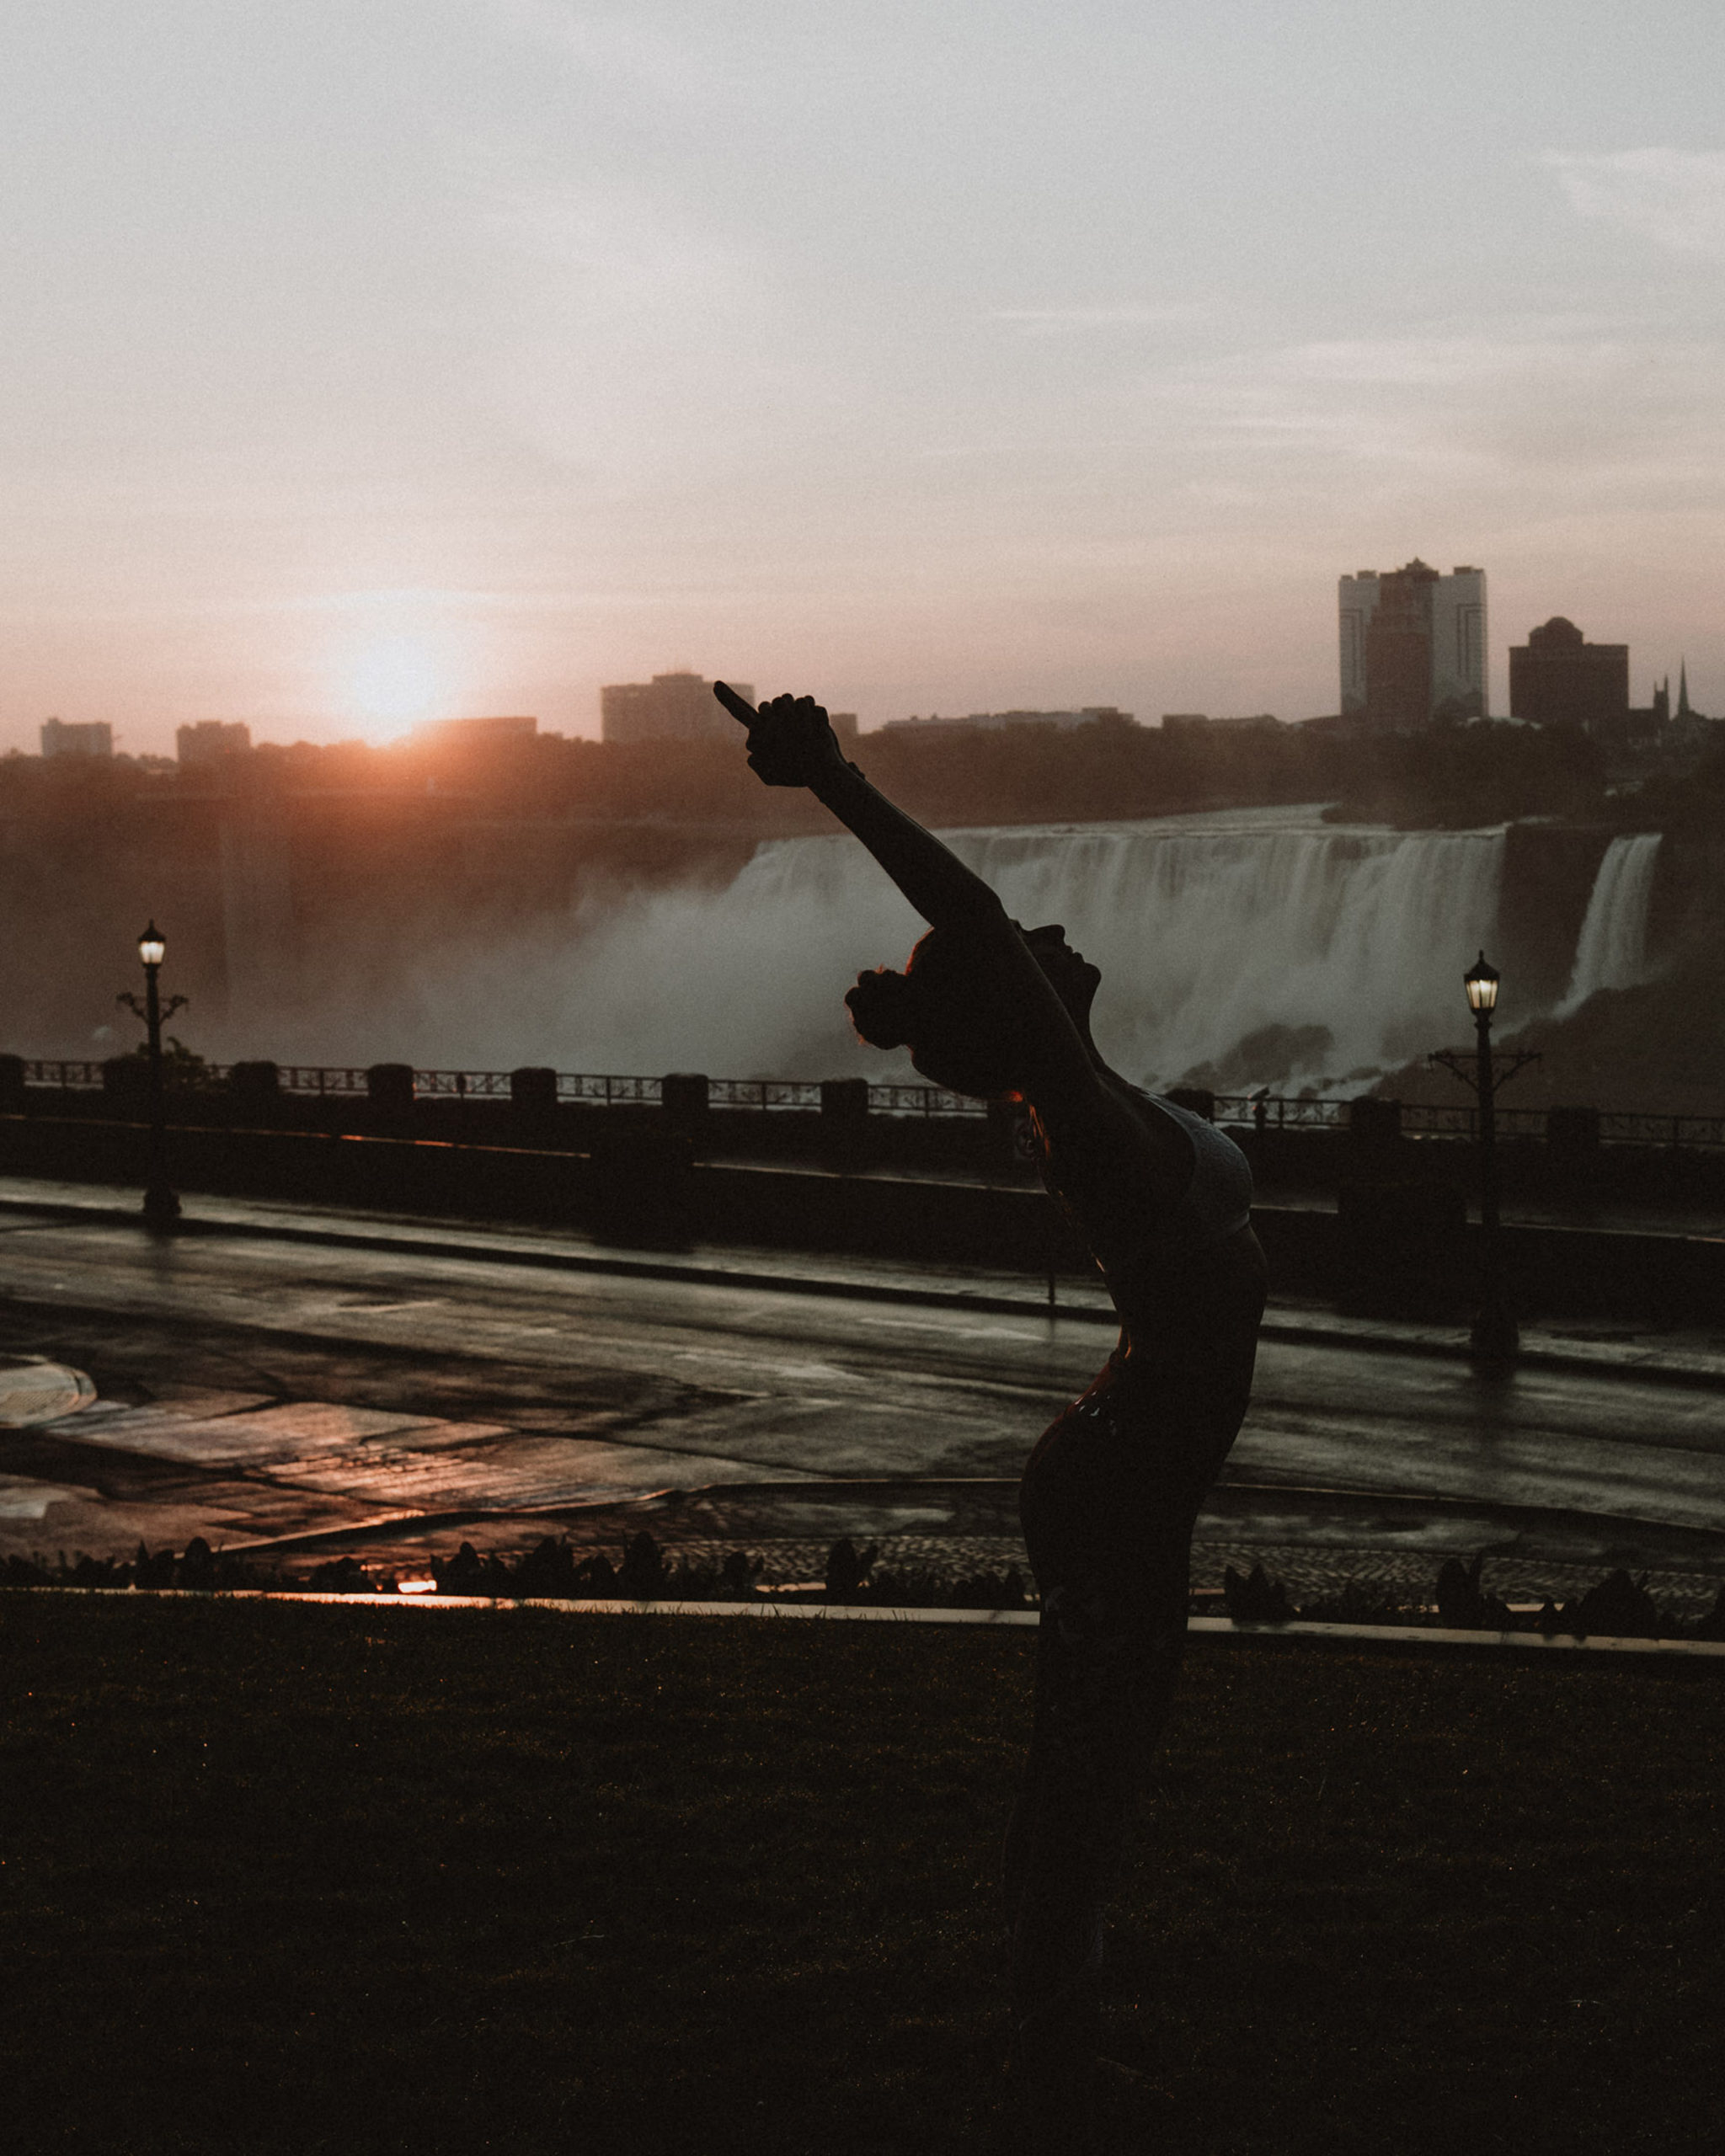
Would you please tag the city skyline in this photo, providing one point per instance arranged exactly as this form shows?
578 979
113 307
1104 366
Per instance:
467 358
686 695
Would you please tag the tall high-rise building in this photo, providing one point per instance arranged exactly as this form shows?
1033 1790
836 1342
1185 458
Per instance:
1413 646
93 739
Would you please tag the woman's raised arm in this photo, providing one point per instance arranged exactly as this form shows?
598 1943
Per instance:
791 742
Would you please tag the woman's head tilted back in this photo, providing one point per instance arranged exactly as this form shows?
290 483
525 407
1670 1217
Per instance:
962 1031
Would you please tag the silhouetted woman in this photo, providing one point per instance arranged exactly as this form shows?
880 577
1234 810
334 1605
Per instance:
1113 1488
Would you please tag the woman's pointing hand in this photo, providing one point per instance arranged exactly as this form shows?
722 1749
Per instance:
790 741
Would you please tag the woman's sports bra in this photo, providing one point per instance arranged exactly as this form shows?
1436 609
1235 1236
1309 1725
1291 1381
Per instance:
1190 1309
1218 1199
1110 1212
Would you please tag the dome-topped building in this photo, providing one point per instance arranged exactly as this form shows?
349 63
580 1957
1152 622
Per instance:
1557 678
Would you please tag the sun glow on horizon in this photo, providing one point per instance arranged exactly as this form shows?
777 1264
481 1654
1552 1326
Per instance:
394 681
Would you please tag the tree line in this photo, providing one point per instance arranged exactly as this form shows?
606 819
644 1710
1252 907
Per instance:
1449 777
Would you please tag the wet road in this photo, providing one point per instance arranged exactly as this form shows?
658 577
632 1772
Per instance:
263 1389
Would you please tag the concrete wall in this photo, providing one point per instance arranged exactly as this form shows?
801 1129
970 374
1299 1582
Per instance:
1388 1245
1558 1173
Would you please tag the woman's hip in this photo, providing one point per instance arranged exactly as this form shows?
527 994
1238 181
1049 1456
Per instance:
1098 1500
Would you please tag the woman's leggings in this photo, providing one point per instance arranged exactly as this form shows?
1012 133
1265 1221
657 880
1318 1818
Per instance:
1106 1666
1108 1504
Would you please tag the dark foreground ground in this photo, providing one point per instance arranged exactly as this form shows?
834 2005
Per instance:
293 1878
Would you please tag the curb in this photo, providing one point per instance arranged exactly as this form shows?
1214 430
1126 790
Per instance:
1403 1636
1556 1360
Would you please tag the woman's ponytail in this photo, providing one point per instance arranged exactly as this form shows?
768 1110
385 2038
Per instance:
880 1007
946 1007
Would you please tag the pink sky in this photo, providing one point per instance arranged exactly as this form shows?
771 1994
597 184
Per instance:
462 355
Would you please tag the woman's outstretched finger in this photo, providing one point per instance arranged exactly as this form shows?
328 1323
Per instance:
734 704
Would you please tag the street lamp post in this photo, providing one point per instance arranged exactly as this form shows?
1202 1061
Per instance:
161 1207
1495 1337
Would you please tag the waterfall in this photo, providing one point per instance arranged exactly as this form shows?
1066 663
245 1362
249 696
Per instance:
1613 949
1260 948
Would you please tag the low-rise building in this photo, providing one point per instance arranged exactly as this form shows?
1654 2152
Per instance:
682 706
1195 722
470 732
93 739
997 722
675 706
210 739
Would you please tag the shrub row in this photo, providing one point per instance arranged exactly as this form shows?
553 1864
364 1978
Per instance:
1618 1607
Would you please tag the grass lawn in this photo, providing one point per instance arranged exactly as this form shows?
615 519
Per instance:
293 1878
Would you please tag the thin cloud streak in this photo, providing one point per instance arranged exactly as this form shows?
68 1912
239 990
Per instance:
1675 198
626 53
1053 320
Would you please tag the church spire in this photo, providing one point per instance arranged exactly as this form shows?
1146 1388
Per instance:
1683 709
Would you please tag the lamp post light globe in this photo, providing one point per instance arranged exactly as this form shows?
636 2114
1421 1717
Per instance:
1481 981
153 945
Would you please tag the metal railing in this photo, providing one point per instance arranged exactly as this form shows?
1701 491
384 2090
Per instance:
771 1095
314 1078
462 1085
1623 1127
605 1091
69 1077
1281 1114
921 1100
1431 1119
764 1094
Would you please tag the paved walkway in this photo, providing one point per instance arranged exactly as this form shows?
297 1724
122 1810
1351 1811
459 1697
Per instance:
1681 1354
310 1384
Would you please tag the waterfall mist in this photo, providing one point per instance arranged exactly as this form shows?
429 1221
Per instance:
1260 948
1269 948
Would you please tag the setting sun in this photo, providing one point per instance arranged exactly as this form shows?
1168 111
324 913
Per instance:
395 679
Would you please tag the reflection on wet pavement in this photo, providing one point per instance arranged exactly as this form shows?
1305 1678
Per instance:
39 1391
255 1390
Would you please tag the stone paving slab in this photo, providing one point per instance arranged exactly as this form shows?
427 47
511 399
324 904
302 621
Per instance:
278 1435
26 1500
41 1391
